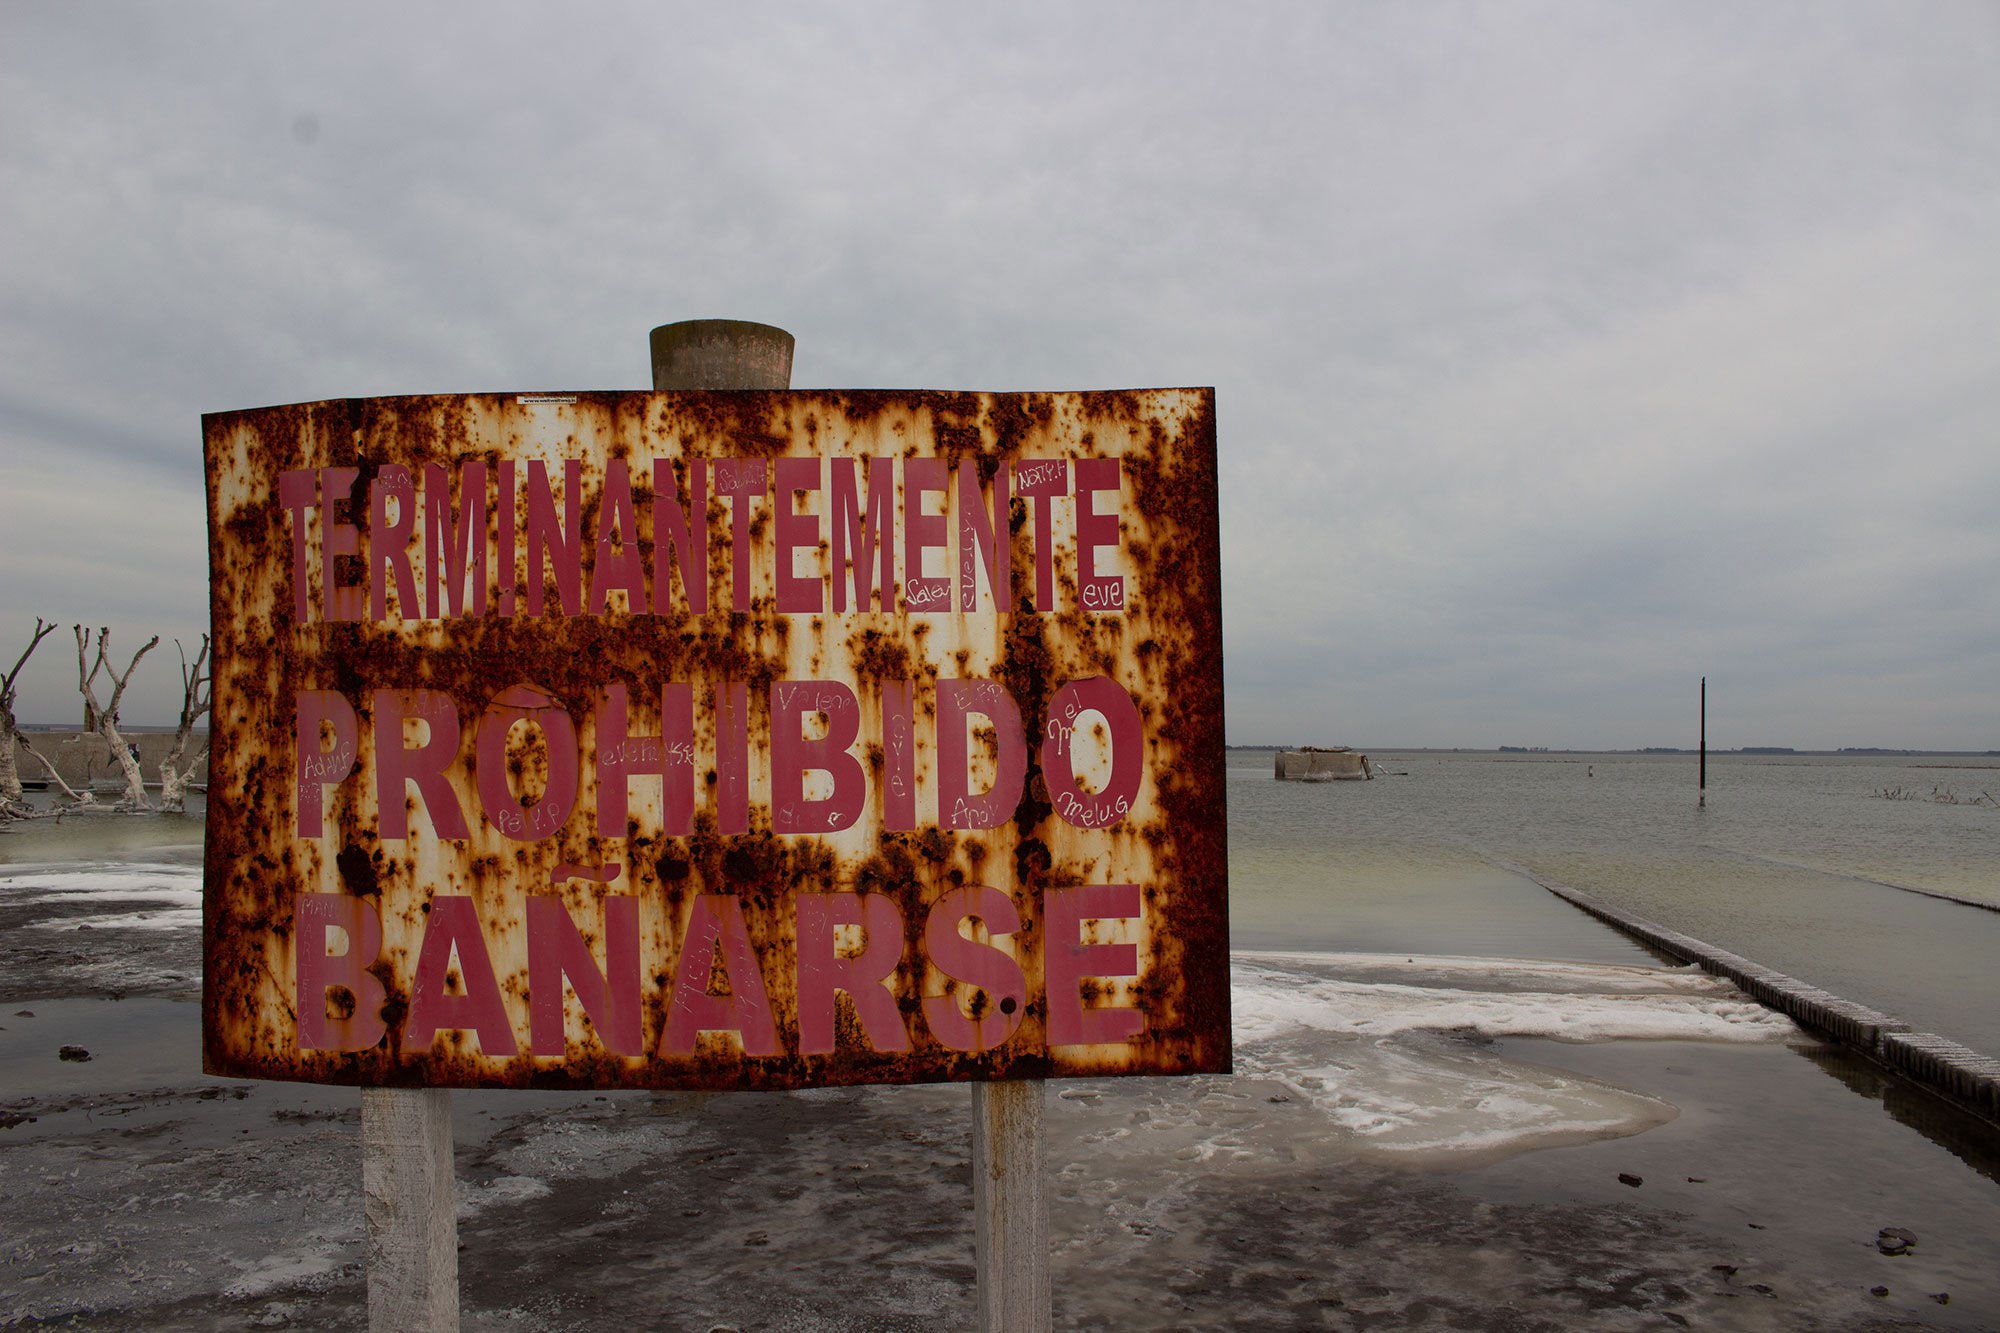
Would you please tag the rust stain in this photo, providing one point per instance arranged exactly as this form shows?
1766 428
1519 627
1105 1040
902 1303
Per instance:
528 688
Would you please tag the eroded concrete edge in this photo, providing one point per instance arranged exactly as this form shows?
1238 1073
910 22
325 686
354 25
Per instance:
1956 1071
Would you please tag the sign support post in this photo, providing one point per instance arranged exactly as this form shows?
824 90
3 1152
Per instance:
406 1187
1010 1210
1011 1232
406 1162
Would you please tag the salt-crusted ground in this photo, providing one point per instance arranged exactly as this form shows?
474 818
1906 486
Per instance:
1409 1141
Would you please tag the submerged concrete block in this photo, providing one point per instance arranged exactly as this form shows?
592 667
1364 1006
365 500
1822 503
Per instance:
1316 765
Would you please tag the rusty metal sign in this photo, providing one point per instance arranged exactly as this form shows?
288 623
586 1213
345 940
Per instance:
716 740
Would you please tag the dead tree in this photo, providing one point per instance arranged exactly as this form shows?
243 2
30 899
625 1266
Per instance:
197 692
85 798
104 719
10 776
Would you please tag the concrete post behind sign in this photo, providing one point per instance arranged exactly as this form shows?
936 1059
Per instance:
406 1187
721 354
717 354
1011 1233
1011 1213
406 1165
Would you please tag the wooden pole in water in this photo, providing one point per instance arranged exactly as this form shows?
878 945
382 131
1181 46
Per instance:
1702 780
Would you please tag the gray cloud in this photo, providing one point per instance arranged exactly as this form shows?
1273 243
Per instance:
1564 352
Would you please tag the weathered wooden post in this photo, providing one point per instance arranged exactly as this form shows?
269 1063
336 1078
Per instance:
406 1168
1011 1211
406 1186
1011 1231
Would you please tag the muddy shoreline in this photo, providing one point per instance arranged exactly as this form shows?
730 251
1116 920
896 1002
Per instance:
195 1203
1405 1144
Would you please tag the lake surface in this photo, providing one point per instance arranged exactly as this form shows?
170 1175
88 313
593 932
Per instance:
1793 863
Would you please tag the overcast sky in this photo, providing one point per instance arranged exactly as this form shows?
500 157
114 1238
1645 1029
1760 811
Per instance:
1563 353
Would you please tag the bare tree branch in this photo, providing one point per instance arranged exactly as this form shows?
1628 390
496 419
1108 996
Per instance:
197 688
197 694
42 631
83 682
119 682
81 798
10 775
104 719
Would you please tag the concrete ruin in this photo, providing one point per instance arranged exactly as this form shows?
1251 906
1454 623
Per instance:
1314 764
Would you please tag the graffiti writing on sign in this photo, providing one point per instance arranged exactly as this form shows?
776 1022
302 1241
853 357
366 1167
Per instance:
732 740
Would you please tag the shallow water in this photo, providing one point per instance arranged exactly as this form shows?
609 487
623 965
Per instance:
101 836
1790 863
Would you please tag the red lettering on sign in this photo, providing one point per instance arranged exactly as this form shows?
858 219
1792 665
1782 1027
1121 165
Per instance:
1098 592
514 817
792 755
981 531
870 542
616 565
682 530
1041 480
540 541
298 491
452 931
1077 807
320 971
506 515
317 767
454 538
389 543
740 480
1068 960
717 919
922 594
957 702
732 757
797 594
899 755
1003 988
668 756
339 538
556 952
864 976
560 542
397 766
